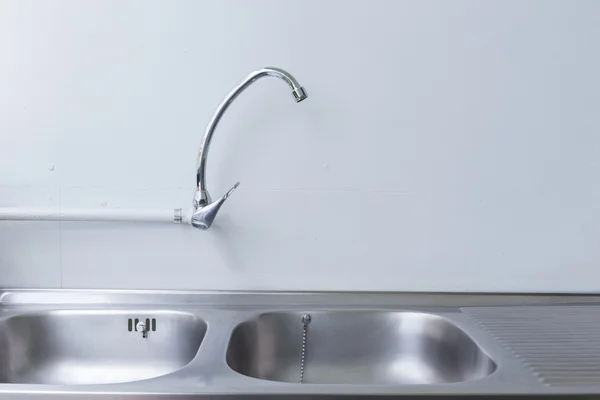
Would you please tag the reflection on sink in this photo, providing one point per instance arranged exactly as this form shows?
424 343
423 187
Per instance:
95 347
357 347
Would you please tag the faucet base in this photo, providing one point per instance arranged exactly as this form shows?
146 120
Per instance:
201 198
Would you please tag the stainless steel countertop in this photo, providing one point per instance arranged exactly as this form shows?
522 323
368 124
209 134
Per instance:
502 325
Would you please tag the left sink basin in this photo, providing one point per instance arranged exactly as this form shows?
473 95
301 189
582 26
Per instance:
96 347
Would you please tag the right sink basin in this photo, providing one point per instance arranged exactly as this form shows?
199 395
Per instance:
357 347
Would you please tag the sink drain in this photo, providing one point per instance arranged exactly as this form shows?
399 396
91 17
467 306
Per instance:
306 318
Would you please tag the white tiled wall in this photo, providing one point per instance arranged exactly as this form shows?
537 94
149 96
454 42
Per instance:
445 145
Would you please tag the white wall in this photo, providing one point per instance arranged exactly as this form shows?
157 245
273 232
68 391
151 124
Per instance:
445 145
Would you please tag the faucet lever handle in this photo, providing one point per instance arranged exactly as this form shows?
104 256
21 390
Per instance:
226 195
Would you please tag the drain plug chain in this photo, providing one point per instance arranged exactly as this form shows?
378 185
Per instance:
306 318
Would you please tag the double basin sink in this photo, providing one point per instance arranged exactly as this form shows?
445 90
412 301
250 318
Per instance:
350 347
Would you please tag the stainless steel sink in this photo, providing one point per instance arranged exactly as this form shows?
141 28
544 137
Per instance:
67 344
357 347
96 347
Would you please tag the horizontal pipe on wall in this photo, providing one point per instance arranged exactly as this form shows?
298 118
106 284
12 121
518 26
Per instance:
107 215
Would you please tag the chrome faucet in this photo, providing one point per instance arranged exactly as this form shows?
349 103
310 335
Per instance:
205 210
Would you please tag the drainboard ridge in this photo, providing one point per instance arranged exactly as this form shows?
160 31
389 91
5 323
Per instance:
559 344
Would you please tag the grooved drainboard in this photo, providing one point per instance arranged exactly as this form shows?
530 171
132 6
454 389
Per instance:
560 344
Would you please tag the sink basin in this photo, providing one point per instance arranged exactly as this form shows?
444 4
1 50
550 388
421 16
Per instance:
357 347
96 347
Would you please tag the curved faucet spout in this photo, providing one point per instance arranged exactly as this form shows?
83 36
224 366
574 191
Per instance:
297 91
202 198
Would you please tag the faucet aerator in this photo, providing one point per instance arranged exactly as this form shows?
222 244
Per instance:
299 94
